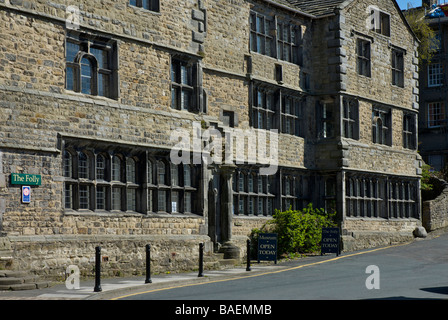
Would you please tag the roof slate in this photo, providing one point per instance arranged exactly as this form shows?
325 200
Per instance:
313 7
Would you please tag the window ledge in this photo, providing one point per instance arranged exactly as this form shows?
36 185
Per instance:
102 213
92 98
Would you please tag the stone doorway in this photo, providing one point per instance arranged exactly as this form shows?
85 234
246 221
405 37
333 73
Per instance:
220 211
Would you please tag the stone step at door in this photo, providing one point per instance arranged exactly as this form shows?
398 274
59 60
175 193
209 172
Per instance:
20 280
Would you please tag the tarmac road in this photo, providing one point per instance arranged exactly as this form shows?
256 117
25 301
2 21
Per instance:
418 270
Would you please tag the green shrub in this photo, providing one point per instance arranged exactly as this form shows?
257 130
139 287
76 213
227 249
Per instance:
299 231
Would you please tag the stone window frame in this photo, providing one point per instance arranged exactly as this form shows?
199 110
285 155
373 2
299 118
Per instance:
292 119
363 60
350 118
436 114
382 125
177 193
88 63
435 74
364 196
252 194
268 109
90 189
276 38
409 130
263 107
401 203
150 5
397 66
134 188
326 119
261 34
289 47
186 77
380 22
294 189
287 189
380 196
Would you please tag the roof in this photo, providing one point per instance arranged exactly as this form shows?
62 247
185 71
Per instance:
321 8
315 7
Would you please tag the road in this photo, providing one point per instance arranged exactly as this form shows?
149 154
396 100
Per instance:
418 270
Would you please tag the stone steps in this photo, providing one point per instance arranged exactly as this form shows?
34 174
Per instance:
5 259
19 280
217 261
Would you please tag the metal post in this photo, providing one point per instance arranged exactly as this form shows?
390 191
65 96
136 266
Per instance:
97 270
248 256
201 260
148 264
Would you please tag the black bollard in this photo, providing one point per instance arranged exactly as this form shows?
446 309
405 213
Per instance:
201 260
97 270
248 256
148 264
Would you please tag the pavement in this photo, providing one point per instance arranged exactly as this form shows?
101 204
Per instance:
112 288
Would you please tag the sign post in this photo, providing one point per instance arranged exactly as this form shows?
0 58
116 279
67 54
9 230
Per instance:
267 247
330 241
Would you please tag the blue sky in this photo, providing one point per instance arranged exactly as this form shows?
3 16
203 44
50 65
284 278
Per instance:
414 3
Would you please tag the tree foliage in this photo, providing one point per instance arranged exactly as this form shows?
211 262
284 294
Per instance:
298 231
427 36
426 177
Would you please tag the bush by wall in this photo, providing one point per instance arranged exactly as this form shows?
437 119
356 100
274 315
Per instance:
299 231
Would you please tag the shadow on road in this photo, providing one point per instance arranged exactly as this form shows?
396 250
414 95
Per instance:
439 290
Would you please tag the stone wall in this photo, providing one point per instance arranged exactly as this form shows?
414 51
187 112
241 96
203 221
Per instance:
49 256
359 233
38 114
435 211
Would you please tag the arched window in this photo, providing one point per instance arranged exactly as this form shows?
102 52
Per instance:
241 182
381 122
250 182
87 75
68 164
161 172
149 172
100 167
187 175
130 170
91 65
116 168
378 129
174 175
83 165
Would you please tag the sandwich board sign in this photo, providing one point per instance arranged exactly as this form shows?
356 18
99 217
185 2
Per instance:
330 242
267 247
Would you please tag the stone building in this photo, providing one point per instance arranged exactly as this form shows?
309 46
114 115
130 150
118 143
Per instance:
433 93
93 92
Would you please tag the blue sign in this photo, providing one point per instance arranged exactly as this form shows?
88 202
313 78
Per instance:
267 247
330 241
26 194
